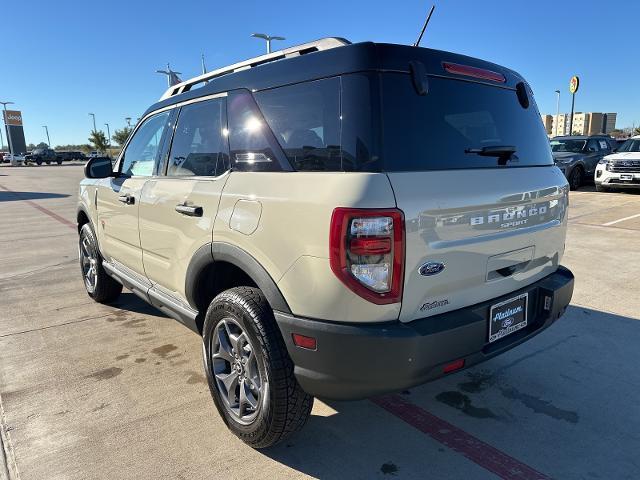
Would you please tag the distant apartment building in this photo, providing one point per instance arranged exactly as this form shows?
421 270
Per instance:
584 123
547 121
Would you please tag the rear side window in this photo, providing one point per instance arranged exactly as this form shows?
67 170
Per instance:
199 146
325 125
305 119
432 132
252 143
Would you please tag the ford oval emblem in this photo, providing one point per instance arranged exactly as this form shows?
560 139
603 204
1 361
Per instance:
431 268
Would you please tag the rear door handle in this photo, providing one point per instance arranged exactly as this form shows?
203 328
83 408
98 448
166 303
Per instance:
128 199
189 210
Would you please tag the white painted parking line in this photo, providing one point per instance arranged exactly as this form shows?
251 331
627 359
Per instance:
621 220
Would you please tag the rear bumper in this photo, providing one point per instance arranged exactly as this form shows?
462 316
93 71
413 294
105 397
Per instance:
359 361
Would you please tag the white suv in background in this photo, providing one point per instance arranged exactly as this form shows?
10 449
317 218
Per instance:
621 169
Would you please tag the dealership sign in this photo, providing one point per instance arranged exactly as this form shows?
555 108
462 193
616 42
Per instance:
574 84
12 117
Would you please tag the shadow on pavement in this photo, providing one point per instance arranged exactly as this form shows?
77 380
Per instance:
132 303
17 196
566 402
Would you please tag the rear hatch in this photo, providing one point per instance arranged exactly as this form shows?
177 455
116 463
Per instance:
471 168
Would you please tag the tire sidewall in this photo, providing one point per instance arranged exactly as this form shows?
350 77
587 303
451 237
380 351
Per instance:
225 306
575 179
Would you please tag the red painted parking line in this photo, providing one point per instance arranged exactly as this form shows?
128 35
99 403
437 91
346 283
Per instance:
44 210
479 452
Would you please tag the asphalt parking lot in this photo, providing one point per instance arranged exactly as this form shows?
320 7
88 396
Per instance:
117 392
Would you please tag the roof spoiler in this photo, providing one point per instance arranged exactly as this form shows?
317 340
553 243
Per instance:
310 47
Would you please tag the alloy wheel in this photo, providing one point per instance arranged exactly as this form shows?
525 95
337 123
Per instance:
234 366
88 262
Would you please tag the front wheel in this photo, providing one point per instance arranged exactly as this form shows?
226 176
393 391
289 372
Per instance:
59 162
99 286
575 178
249 371
600 188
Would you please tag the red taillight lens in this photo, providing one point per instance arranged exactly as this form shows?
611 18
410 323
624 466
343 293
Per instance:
474 72
367 252
370 246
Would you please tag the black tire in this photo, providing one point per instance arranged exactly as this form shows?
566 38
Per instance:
59 162
39 162
48 162
282 407
576 177
105 289
600 188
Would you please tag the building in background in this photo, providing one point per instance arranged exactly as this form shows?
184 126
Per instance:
547 121
584 123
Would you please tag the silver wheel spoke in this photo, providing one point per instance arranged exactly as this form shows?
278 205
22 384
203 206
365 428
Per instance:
246 398
235 369
230 381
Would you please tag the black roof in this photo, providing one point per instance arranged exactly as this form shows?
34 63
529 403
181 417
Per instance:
351 58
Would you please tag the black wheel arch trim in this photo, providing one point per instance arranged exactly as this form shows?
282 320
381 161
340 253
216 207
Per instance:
225 252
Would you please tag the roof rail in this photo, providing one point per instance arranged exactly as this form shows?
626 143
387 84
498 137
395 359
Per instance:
310 47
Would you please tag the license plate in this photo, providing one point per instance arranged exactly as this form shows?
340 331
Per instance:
626 177
508 317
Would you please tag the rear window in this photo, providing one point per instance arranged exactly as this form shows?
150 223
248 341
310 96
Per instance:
432 132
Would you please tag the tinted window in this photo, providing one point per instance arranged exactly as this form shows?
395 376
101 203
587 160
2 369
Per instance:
199 144
324 125
592 146
631 145
568 145
433 131
143 149
253 145
305 119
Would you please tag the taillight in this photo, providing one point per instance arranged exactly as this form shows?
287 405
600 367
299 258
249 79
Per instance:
367 252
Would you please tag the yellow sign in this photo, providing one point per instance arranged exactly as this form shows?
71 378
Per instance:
12 117
574 83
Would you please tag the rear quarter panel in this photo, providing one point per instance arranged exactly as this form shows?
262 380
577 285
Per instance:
290 239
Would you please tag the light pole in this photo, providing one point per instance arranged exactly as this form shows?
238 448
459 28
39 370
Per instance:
557 112
93 115
108 138
268 39
46 129
1 139
4 105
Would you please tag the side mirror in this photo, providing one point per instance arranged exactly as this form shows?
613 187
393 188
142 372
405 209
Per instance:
98 167
591 149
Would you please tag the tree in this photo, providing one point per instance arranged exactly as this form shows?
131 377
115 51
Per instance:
637 131
42 145
99 140
120 136
74 147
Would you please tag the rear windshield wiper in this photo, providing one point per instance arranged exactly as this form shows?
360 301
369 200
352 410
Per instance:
503 152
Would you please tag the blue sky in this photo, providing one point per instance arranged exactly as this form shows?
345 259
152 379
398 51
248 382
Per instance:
62 59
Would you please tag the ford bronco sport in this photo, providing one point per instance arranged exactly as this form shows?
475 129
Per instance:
336 220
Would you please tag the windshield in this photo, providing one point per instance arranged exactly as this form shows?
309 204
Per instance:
631 145
574 146
458 124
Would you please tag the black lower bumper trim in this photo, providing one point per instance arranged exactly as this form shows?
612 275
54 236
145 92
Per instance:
354 361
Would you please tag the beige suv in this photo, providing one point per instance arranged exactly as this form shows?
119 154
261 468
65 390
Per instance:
336 220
